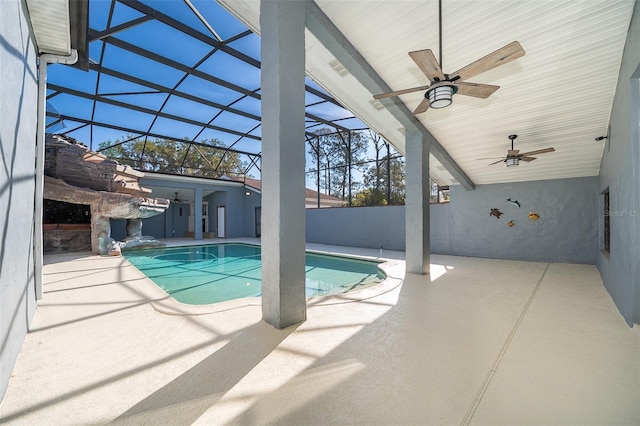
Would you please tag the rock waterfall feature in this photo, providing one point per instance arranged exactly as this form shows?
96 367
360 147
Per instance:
74 174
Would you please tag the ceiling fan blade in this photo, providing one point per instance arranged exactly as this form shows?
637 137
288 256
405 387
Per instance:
501 56
527 159
422 107
490 158
400 92
499 161
426 61
512 152
476 90
539 151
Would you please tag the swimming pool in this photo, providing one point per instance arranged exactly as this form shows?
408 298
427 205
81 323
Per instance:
200 275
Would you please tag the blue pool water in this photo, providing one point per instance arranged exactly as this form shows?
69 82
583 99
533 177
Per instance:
199 275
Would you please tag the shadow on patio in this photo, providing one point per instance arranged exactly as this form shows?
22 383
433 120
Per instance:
487 341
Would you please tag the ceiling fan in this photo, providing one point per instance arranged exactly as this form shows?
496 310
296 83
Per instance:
178 200
514 157
442 86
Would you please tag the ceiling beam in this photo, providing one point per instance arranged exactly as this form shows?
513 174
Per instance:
333 40
99 35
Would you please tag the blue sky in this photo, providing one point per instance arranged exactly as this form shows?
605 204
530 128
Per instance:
182 52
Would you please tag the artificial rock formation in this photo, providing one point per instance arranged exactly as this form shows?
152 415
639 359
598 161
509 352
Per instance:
74 174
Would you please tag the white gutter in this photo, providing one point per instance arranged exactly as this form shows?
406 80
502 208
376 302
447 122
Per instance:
44 60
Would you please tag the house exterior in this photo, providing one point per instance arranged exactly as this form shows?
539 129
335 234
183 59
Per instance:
312 199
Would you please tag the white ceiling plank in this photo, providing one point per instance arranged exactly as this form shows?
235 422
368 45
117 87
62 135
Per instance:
559 94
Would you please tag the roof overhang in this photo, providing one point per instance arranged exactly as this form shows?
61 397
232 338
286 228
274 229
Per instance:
61 25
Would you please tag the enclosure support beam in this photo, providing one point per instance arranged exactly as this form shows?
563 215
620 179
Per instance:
283 158
197 214
417 203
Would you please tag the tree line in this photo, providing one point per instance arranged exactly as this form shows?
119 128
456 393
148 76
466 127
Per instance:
359 167
208 158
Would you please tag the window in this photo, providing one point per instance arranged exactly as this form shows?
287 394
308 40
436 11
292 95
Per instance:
607 216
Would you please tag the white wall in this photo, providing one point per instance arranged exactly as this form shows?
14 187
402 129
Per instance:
18 97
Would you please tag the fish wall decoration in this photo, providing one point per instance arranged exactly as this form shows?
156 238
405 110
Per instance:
514 202
533 216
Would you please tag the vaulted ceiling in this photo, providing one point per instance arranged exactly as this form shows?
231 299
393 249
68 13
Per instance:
558 95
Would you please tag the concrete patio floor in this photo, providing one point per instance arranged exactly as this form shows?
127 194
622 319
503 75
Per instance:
481 341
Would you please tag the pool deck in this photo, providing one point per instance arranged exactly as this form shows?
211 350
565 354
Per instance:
480 341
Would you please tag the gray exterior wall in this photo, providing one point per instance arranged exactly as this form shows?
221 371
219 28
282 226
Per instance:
18 111
370 227
566 231
251 202
619 172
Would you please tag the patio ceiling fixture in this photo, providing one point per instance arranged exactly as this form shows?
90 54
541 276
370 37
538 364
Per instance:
442 86
514 156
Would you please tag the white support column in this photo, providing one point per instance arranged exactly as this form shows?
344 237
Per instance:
417 202
282 24
197 214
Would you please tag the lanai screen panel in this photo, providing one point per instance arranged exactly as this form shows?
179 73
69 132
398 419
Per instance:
173 86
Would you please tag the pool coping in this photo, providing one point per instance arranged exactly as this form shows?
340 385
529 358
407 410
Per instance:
164 303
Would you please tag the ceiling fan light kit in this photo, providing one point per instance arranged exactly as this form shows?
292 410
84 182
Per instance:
441 96
511 162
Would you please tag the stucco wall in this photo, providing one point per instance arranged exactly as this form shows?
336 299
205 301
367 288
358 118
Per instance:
565 232
18 110
371 227
619 172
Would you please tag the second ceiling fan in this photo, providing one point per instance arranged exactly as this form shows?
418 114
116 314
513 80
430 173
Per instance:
514 156
443 86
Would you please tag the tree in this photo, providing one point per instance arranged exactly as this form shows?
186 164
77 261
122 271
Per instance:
385 180
178 157
370 197
378 145
336 155
389 175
